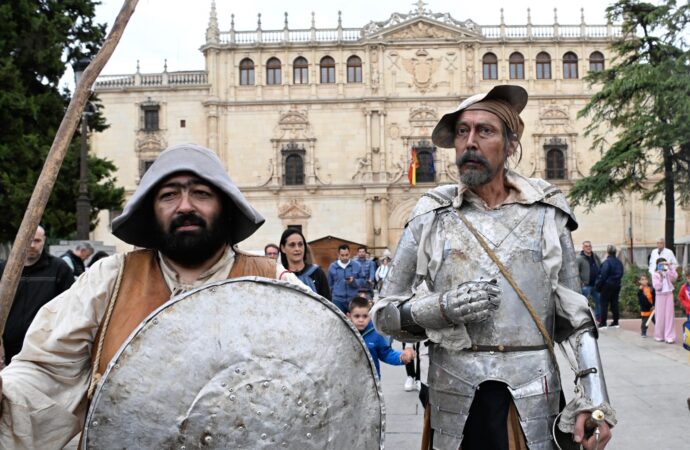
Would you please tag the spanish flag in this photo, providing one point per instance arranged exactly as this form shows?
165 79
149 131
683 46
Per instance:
414 164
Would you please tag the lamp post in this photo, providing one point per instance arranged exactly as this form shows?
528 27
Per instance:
83 200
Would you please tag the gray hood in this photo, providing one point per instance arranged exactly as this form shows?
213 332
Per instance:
136 223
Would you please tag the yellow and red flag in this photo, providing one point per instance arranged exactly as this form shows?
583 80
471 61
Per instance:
414 165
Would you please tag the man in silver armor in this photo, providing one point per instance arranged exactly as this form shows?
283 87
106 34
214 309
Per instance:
493 381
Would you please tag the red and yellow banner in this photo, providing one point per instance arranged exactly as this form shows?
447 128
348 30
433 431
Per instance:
414 165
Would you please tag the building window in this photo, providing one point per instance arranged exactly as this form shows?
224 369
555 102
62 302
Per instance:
426 172
300 71
151 117
490 66
517 66
183 123
596 62
327 66
570 66
555 164
273 71
293 162
543 66
354 69
246 72
144 165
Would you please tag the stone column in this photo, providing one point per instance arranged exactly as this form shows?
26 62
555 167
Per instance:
369 221
384 221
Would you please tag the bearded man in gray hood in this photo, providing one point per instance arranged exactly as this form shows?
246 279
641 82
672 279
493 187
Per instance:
185 217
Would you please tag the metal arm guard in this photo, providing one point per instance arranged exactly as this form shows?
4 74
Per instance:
590 374
396 320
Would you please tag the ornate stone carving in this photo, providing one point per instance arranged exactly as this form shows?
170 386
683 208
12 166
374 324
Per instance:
374 60
293 125
423 119
466 27
422 68
294 209
421 30
450 59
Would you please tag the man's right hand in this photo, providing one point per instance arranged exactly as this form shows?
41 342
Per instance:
472 301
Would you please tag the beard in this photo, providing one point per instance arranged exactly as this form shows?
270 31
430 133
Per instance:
192 248
473 177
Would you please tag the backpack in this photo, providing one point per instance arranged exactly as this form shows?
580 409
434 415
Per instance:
686 335
305 277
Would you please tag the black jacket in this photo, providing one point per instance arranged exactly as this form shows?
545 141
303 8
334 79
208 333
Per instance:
77 265
38 285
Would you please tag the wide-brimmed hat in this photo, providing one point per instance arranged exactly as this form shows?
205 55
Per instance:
135 225
515 96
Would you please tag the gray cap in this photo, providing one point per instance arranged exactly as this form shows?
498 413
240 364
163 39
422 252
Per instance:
135 226
516 96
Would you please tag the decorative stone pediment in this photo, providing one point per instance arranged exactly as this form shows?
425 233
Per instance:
423 114
150 142
421 23
294 209
293 125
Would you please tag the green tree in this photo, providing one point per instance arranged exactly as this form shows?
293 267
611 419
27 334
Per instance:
38 39
645 101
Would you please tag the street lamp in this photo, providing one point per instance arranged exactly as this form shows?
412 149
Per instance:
83 201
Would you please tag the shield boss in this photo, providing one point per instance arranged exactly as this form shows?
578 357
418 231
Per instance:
243 363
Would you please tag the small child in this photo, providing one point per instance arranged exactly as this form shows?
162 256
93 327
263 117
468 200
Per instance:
684 295
646 296
379 347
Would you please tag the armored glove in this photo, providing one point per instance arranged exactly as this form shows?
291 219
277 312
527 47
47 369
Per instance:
472 301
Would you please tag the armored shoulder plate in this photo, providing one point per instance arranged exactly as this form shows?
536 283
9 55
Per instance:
553 196
434 199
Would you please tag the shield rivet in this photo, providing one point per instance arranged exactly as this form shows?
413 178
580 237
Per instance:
284 444
263 436
265 384
183 448
223 384
155 321
208 439
241 428
284 388
258 413
232 398
244 372
116 366
308 435
299 402
231 390
249 387
94 423
237 370
306 416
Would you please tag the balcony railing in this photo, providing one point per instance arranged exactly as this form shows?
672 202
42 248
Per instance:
186 78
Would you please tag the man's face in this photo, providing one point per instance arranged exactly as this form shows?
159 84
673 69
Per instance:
361 253
271 252
188 212
36 247
587 248
480 151
359 317
660 244
84 253
344 255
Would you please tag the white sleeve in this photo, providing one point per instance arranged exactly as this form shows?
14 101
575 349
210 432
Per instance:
45 384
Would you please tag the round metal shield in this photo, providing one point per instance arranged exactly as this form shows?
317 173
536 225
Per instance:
243 363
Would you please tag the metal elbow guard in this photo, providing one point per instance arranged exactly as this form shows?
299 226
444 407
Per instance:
590 372
396 320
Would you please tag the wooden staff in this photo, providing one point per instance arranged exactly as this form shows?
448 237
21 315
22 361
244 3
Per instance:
51 167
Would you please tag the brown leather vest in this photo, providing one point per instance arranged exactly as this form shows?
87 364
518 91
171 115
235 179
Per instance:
142 290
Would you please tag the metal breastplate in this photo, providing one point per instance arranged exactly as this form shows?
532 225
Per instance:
514 233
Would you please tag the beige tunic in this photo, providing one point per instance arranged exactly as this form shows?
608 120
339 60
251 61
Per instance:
45 384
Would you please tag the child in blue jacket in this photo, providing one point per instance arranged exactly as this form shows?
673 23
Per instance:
379 347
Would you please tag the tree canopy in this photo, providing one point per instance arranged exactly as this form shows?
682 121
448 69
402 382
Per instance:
38 39
644 101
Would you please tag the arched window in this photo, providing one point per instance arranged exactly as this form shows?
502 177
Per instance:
300 71
570 66
543 66
426 171
354 69
555 164
273 68
327 66
294 170
490 66
517 66
596 62
246 72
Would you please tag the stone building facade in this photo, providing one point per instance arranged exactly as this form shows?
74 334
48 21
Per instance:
316 126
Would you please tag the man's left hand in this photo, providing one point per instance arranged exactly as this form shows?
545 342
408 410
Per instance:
590 444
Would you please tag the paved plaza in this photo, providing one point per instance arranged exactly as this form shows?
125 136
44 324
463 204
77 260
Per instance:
649 383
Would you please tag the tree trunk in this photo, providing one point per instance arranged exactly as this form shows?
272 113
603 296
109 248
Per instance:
669 199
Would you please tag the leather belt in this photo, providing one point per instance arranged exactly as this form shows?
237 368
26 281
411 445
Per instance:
507 348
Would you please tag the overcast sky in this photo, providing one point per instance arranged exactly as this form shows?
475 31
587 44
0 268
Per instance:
175 29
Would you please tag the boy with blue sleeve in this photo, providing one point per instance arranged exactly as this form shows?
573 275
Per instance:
379 347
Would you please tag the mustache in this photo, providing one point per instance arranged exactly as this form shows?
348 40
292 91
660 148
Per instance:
471 157
186 220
